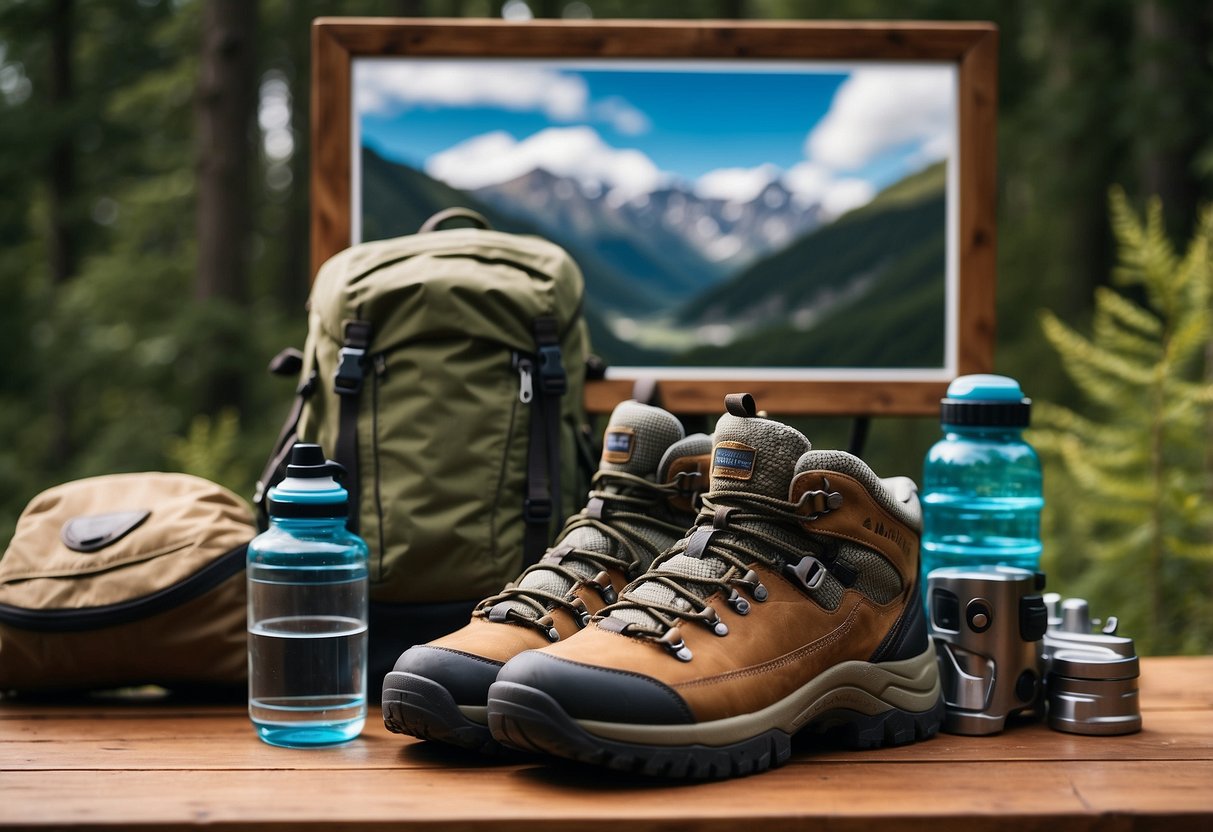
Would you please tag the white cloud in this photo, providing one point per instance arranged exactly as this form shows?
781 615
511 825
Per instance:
622 116
385 85
576 152
846 194
883 108
815 184
735 184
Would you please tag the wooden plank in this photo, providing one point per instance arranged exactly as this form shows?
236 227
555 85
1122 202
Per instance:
330 136
1167 682
172 743
825 40
1176 682
822 398
976 797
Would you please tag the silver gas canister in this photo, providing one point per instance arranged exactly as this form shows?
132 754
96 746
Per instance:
1090 676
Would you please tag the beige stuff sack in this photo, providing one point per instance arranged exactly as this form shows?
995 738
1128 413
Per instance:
124 580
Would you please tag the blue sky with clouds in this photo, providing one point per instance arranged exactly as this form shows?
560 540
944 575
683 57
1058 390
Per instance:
833 135
697 121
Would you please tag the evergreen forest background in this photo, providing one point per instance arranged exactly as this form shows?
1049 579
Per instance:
154 256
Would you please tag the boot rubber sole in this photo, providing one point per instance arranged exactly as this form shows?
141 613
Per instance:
422 708
853 705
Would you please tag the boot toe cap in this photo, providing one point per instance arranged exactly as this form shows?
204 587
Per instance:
465 676
598 693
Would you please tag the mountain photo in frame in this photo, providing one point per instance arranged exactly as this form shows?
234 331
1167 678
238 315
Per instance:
792 224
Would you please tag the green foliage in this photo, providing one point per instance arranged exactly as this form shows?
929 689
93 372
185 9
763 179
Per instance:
1128 518
212 450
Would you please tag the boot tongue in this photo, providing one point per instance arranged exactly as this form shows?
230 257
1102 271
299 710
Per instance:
637 438
751 455
755 455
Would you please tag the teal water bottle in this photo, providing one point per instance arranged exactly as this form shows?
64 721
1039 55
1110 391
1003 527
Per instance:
981 482
307 611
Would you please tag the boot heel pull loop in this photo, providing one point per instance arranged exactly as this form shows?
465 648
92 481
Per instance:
740 404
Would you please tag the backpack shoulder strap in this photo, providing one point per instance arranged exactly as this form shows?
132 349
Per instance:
543 448
347 384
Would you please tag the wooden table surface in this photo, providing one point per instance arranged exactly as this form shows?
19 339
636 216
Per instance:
160 767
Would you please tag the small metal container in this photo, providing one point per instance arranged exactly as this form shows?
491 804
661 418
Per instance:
1093 692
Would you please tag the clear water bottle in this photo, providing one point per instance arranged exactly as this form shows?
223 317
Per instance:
981 482
307 611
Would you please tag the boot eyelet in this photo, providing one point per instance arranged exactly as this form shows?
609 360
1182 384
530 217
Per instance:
580 612
740 605
673 643
601 583
712 617
548 627
750 581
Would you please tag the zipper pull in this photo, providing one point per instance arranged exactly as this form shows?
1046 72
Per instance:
526 387
526 390
379 362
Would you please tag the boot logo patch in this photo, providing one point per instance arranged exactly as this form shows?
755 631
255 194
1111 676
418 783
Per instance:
733 460
618 444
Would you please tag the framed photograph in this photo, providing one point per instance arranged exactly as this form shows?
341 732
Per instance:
802 211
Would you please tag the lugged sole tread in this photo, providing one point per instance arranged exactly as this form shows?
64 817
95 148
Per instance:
532 721
526 718
421 708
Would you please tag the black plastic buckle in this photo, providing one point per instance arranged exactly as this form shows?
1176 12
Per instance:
347 381
552 378
537 510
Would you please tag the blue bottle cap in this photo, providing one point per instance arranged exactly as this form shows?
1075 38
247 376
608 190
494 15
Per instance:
984 400
310 489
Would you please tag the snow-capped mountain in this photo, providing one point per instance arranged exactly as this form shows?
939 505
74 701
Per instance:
678 237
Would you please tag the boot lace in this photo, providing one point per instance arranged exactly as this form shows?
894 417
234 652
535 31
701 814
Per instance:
732 531
621 508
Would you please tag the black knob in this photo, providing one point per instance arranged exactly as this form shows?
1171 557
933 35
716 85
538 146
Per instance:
979 615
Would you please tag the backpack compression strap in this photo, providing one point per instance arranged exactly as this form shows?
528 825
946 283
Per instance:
347 383
543 450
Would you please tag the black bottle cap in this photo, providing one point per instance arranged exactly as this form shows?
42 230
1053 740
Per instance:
985 401
308 462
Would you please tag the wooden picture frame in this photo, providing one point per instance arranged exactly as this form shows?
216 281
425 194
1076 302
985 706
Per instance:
970 47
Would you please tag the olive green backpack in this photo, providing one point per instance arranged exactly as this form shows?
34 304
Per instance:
445 371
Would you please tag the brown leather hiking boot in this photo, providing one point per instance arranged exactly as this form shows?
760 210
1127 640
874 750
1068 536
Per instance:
793 604
643 497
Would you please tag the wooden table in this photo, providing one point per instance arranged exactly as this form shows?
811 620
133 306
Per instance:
160 767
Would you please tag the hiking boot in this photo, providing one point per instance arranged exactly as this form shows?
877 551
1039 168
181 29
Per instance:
642 499
791 605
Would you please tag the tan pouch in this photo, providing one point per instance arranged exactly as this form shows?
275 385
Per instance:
122 580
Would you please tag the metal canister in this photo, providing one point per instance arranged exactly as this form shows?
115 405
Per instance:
1093 692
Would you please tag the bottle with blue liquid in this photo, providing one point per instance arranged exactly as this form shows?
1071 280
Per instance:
307 611
981 483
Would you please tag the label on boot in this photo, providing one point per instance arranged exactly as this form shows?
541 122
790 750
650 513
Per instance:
733 460
618 444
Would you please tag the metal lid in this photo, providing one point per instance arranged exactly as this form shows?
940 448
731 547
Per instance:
1095 666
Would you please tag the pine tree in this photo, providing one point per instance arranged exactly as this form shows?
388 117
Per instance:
1129 521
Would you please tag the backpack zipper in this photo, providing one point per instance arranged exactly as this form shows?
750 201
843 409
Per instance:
63 621
526 374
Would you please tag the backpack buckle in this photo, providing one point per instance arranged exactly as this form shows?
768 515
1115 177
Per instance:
552 378
347 381
537 510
